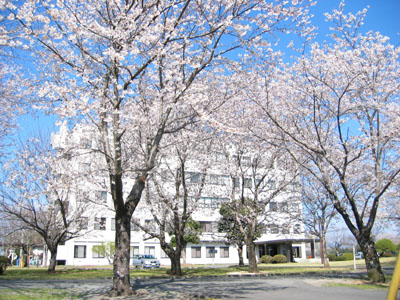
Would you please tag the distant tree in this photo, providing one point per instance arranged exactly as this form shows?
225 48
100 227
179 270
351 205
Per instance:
106 250
385 245
228 225
173 192
259 174
38 195
318 213
337 107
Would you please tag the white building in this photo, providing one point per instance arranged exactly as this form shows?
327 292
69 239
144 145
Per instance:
282 234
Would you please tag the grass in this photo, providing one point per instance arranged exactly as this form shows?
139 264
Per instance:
36 294
15 273
363 286
90 272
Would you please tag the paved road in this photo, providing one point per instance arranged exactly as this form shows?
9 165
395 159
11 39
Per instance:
254 288
262 288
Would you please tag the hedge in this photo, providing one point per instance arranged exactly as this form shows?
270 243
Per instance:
4 262
279 259
266 259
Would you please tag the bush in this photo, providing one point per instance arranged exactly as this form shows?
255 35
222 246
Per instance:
385 245
348 256
340 258
279 259
388 254
332 257
4 262
266 259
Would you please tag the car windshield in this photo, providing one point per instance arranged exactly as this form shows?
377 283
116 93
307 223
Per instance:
148 256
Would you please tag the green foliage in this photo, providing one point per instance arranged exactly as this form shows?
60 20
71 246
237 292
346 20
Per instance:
4 262
388 254
191 235
266 259
106 250
385 245
279 259
229 225
398 247
332 257
340 258
348 256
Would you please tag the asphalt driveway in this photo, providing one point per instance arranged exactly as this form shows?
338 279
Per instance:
254 288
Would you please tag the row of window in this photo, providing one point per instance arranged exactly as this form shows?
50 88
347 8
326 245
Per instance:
211 252
80 251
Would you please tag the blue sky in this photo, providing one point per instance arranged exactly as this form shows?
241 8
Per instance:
382 16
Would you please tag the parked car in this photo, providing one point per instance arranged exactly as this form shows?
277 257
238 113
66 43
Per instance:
145 261
359 255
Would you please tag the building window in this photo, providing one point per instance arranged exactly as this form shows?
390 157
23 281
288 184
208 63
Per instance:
84 223
236 182
247 183
80 252
150 250
296 252
273 206
274 229
206 226
134 227
113 224
134 251
297 229
196 252
193 177
99 223
96 253
102 195
224 252
210 252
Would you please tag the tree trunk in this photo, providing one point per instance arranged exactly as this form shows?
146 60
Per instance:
240 254
121 278
324 256
53 260
252 258
175 258
374 269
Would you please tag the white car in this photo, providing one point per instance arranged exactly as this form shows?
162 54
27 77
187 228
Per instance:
145 261
359 255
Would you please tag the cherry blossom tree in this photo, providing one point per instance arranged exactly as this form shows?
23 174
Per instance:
13 100
318 213
134 66
40 197
338 108
260 174
173 192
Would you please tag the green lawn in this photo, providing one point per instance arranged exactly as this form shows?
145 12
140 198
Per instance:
90 272
36 294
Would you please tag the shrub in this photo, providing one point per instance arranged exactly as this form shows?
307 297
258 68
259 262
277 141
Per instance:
4 262
279 259
385 245
348 256
266 259
332 257
340 258
388 254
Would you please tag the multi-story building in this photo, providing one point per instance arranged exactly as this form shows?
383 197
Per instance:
283 231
